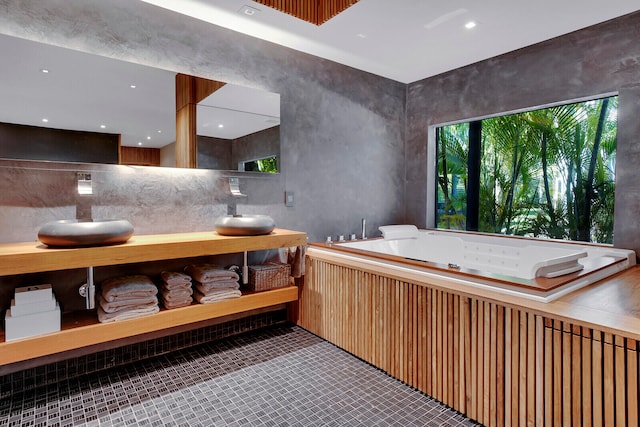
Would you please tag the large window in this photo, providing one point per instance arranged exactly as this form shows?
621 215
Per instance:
546 173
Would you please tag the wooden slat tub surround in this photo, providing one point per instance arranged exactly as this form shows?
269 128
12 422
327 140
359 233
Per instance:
498 364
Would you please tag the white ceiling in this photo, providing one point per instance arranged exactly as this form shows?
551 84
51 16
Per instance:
409 40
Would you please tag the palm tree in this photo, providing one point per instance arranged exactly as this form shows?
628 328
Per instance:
452 149
545 173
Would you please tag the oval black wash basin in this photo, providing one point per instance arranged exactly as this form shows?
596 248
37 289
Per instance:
244 225
74 233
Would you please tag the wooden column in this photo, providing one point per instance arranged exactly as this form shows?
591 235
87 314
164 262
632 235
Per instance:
189 91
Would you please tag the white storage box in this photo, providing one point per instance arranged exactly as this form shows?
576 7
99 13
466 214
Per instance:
30 325
33 307
31 294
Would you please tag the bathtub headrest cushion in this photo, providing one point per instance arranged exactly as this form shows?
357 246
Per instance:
398 231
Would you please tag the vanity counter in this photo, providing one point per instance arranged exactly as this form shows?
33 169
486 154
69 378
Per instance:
81 329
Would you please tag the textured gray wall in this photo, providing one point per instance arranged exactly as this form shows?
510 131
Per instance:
597 60
342 130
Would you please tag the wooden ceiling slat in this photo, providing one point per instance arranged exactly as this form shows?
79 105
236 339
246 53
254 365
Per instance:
315 11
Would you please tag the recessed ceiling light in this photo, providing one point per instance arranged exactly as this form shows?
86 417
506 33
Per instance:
220 126
102 126
362 36
44 70
248 10
159 131
132 86
45 120
139 143
469 25
148 137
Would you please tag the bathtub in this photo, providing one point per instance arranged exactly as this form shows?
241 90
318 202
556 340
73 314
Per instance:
541 270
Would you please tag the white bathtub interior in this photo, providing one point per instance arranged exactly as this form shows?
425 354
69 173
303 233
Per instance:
516 260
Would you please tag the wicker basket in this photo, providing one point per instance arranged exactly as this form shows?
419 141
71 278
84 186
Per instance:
268 276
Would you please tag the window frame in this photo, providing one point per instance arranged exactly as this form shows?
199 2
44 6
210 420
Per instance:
432 161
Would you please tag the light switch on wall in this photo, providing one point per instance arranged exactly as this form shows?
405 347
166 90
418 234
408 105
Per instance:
288 198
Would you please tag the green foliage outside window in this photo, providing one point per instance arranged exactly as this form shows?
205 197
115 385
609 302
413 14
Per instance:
547 173
267 165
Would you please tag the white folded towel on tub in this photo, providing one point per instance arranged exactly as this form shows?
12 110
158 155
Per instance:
398 231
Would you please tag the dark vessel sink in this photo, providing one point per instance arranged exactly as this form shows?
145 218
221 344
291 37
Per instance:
74 233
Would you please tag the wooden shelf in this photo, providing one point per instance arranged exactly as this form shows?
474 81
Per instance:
21 258
83 329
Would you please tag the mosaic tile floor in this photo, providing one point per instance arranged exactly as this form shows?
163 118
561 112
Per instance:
283 376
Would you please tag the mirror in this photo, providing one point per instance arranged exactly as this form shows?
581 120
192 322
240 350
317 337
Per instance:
100 110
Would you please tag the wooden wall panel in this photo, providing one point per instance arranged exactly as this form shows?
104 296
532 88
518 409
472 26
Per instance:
139 156
313 11
498 365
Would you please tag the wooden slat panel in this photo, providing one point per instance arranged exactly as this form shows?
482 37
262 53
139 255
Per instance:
430 356
531 375
522 370
515 368
462 353
438 346
597 377
480 364
486 364
493 360
455 350
314 11
548 375
498 365
632 382
620 382
473 394
508 373
566 376
539 371
450 354
608 381
587 371
557 377
576 373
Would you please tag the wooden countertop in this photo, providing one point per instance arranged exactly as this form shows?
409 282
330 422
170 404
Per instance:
611 305
20 258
